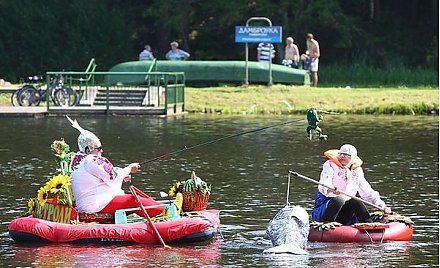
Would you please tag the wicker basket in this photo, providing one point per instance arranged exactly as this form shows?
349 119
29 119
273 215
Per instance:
195 201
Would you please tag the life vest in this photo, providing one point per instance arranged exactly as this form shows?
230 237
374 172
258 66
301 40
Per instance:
333 156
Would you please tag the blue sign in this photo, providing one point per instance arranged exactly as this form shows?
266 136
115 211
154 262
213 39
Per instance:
252 34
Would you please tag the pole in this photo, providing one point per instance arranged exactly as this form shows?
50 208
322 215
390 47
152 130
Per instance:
134 191
334 189
246 81
288 189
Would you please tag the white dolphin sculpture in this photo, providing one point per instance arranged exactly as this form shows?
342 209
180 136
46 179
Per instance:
289 230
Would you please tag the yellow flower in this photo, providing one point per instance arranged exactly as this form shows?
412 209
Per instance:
172 191
58 183
175 188
31 205
42 195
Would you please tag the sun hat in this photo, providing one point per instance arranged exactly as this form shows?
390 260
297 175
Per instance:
348 149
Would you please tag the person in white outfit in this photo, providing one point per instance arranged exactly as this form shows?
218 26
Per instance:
96 183
343 172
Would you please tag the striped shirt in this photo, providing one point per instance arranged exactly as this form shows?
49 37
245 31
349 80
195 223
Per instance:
264 51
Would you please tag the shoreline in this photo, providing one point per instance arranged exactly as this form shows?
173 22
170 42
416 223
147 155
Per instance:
285 100
295 100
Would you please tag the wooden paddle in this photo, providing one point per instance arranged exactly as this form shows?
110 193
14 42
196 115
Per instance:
334 189
135 191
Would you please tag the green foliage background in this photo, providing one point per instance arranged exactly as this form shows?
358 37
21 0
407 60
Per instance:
42 35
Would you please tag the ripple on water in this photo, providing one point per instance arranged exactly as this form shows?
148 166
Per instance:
249 179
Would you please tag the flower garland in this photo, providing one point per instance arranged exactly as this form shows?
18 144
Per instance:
62 153
31 205
56 190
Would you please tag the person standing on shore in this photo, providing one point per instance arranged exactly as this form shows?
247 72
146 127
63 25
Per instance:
146 54
314 54
175 53
265 52
291 55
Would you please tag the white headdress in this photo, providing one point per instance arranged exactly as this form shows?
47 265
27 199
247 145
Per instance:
86 139
349 150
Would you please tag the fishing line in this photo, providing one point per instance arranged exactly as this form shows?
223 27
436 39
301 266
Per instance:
186 148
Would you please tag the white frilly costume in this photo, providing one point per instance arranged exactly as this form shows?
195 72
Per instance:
95 181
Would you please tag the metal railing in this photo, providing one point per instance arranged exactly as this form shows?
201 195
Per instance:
163 91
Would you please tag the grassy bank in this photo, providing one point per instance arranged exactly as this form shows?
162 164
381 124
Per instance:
280 99
5 99
361 75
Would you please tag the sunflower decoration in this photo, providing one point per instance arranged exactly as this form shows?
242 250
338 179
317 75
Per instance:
58 184
60 187
31 205
42 195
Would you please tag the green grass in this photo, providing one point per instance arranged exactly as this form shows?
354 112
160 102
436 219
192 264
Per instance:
5 99
361 75
281 99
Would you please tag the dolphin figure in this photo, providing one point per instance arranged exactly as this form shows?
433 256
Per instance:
289 230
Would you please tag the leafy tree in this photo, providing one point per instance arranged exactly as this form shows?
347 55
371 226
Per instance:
43 35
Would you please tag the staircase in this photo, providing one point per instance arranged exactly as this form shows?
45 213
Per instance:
122 97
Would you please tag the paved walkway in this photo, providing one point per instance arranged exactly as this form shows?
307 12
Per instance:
37 111
20 111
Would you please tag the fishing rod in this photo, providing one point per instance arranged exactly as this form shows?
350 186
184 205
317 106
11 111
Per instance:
186 148
334 189
327 112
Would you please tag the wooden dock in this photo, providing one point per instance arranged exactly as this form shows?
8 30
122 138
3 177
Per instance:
41 111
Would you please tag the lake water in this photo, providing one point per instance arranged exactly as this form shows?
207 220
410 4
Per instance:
248 174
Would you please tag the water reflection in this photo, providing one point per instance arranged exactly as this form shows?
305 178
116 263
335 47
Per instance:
115 256
249 179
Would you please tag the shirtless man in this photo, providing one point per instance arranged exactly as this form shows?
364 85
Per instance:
291 55
314 53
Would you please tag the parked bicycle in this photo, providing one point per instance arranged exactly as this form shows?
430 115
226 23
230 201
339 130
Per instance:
33 93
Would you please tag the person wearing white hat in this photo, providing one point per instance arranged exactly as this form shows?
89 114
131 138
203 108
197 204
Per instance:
175 53
343 172
96 183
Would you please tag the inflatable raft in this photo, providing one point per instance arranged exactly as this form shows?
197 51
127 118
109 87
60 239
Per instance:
387 231
194 227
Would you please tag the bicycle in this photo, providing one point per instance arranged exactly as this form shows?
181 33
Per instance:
63 95
29 94
28 88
